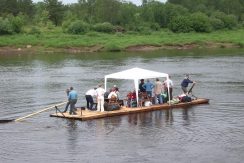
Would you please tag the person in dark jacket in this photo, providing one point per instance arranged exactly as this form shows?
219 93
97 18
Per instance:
141 88
185 83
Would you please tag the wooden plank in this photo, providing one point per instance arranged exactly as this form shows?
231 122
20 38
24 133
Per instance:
88 115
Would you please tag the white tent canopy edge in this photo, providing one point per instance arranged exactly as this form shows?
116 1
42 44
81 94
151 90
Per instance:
136 74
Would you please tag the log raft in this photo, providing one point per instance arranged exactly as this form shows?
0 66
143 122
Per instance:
89 115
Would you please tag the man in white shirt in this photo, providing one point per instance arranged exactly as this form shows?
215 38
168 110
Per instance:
100 98
112 93
170 83
89 98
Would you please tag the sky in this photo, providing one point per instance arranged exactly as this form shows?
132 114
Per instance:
137 2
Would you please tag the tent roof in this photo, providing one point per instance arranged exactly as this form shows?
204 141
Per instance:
136 74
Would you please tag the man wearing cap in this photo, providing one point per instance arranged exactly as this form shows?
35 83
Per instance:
89 98
185 82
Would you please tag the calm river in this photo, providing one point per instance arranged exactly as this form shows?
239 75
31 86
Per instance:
212 133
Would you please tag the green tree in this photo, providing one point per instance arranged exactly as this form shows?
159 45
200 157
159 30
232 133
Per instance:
107 11
26 7
87 10
126 14
55 10
9 7
235 7
171 11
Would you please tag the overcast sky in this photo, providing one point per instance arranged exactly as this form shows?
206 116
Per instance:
137 2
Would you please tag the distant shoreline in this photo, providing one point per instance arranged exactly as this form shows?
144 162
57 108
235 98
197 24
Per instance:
136 48
101 42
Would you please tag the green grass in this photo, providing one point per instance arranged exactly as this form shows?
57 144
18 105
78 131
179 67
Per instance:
117 42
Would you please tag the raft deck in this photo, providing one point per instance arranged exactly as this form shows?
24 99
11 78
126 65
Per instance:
88 115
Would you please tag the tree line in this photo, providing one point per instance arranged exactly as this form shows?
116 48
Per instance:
119 15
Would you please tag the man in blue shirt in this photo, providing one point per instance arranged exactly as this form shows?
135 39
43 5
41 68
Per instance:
72 99
148 86
185 82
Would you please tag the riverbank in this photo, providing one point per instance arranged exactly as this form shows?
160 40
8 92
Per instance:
94 42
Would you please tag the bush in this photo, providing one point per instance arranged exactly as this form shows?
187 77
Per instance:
181 24
200 22
66 25
230 21
119 29
155 26
217 23
17 23
78 27
5 26
104 27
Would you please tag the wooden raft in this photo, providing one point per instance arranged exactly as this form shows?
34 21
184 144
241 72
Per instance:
88 115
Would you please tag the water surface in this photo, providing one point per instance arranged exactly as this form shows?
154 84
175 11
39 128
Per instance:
203 133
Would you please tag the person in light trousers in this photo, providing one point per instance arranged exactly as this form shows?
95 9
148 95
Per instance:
100 98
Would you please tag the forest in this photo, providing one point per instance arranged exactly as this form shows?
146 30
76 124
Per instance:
110 16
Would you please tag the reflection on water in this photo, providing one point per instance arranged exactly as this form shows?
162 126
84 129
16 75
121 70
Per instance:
169 116
202 133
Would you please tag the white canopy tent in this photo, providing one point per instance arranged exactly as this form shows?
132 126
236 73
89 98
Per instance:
136 74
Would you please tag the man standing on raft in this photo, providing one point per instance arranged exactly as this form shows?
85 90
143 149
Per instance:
185 82
72 99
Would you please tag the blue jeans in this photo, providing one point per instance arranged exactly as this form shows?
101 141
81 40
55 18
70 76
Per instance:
72 106
158 99
67 106
149 93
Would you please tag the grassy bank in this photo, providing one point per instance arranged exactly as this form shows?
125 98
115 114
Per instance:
119 41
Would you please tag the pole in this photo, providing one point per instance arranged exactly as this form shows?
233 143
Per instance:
40 111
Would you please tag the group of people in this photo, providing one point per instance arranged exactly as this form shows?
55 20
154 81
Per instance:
98 92
160 90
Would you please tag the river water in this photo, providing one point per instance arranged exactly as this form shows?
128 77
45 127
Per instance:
212 133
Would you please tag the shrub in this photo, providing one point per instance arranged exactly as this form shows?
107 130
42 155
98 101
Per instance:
217 23
119 29
200 22
11 24
78 27
181 24
17 23
230 21
104 27
155 26
66 25
5 26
